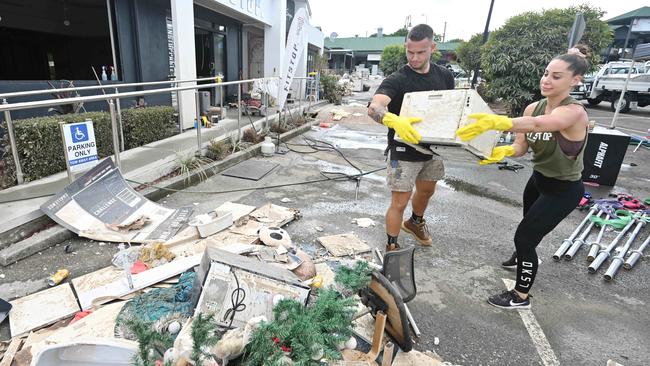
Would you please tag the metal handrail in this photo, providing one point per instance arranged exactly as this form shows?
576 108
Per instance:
95 87
94 98
6 107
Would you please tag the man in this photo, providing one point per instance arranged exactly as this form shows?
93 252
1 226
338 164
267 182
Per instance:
409 164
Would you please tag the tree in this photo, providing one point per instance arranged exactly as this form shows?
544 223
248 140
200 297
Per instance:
456 40
393 57
469 53
402 32
514 57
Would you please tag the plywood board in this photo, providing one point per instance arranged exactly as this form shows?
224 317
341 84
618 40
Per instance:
344 244
238 210
274 215
415 358
41 309
9 354
443 112
120 287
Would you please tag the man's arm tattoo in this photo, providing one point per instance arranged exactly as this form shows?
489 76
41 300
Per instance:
376 112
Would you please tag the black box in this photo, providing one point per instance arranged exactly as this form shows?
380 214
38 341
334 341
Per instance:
604 155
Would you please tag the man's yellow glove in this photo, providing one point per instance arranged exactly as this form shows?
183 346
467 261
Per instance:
402 126
499 153
484 122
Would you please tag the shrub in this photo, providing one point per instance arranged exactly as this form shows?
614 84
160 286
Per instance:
331 90
40 148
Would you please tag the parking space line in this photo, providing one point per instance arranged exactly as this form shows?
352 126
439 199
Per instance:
536 333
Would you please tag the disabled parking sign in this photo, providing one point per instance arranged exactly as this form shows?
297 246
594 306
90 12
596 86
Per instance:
80 146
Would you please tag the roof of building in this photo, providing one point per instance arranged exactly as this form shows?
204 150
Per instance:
377 44
625 19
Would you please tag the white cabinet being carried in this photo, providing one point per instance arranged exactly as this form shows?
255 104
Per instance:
443 112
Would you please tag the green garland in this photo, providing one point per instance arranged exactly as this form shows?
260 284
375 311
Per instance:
355 278
204 336
298 334
151 344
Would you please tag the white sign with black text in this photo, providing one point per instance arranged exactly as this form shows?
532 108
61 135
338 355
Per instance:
80 145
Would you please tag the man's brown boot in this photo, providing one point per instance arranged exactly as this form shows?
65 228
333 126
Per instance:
419 231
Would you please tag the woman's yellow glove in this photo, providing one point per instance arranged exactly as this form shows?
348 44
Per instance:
484 122
499 153
402 126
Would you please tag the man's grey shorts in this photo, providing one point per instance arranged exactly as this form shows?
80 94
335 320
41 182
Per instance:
401 175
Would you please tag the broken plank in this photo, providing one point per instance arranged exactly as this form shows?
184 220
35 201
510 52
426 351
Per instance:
14 346
343 244
120 287
274 215
238 210
42 308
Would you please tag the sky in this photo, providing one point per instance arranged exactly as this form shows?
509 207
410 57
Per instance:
464 17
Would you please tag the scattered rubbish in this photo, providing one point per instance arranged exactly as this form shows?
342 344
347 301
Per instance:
68 248
274 236
339 114
212 223
101 244
286 200
357 114
318 228
11 351
274 215
138 267
326 124
80 315
2 275
57 277
503 165
5 307
344 244
233 342
364 222
97 352
436 341
101 201
135 224
223 274
42 308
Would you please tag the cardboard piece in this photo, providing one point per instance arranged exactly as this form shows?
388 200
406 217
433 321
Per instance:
344 244
273 215
443 112
42 308
238 210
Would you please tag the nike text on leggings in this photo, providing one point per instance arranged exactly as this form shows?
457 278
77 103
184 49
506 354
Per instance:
547 202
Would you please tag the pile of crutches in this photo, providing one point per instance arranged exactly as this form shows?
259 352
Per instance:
608 215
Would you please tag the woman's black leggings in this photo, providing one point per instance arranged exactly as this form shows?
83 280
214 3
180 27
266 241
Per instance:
547 201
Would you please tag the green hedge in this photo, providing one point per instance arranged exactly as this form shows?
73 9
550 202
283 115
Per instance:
145 125
40 148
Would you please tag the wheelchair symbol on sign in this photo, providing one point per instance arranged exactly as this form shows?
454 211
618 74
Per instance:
79 135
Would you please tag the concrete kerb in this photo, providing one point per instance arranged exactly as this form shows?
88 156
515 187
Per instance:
29 238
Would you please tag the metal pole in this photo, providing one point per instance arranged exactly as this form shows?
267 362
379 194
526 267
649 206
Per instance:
620 99
595 245
198 122
627 37
110 30
604 254
119 120
636 255
65 153
14 149
568 241
618 259
266 112
485 37
238 112
580 241
116 138
300 96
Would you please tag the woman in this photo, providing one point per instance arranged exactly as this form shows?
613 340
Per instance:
555 128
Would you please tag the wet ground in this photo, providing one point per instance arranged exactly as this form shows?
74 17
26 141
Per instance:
581 320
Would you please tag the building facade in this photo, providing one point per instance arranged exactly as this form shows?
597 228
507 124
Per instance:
43 42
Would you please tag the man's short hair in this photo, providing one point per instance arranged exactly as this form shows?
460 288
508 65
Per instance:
420 32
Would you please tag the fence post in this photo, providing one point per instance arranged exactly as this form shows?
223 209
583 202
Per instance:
198 122
14 149
116 137
119 119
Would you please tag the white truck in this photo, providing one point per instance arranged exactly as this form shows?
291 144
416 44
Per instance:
608 83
